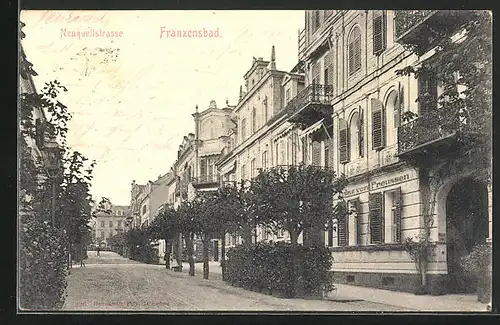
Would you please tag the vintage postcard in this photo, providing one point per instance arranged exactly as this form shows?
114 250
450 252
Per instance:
300 161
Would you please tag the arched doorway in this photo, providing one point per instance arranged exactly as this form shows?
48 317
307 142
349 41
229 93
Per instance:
466 227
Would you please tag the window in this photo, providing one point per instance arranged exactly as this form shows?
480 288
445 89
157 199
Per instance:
316 153
427 91
329 62
282 158
243 172
264 159
243 129
103 235
378 124
253 170
265 234
287 96
102 224
110 224
343 227
392 105
343 141
316 21
393 205
376 203
354 133
354 49
316 72
281 233
379 32
254 120
355 222
144 209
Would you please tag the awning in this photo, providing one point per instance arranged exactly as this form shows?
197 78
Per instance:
285 132
228 168
313 128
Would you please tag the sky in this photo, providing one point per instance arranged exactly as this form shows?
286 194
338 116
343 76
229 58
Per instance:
132 91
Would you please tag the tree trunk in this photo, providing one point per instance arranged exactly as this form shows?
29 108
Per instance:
206 243
294 236
247 234
223 256
178 251
423 275
190 252
167 253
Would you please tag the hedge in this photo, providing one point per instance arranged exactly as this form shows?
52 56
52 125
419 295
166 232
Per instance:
43 261
281 269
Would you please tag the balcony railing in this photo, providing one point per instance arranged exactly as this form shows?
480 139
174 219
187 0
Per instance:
205 180
424 130
312 94
408 19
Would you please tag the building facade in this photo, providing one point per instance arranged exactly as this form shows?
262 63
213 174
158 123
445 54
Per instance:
357 53
110 222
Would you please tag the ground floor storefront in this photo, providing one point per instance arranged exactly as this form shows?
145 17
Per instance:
391 206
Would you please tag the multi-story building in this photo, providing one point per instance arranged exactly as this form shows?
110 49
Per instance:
262 135
351 58
110 221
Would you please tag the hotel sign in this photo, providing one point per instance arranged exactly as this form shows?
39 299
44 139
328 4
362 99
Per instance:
375 185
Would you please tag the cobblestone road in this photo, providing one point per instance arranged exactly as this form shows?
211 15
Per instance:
112 283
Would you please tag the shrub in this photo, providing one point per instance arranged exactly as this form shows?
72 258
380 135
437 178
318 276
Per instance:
477 264
281 268
42 265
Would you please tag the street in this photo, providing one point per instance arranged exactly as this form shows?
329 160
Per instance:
112 283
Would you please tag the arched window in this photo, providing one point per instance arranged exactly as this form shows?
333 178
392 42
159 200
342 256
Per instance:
354 48
243 129
392 117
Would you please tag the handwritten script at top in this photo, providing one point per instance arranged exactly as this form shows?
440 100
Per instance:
61 17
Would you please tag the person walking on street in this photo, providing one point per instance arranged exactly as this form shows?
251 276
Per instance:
83 256
99 250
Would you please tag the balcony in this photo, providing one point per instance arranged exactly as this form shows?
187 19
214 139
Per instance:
205 181
420 27
312 104
427 135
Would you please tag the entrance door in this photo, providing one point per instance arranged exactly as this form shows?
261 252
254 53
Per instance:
466 227
216 250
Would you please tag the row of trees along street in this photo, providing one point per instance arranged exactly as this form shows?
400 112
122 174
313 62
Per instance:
49 234
298 199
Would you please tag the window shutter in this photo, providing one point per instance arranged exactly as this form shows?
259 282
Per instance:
376 205
316 72
379 32
330 233
343 141
316 152
398 203
343 229
361 133
351 58
378 124
203 167
357 53
427 89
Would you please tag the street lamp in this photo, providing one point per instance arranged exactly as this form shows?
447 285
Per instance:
52 163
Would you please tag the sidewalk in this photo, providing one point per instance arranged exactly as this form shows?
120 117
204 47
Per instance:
404 300
410 301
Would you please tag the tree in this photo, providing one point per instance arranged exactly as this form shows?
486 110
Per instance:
43 246
188 224
464 67
296 198
166 226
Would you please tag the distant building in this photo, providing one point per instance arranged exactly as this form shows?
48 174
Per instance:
107 224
